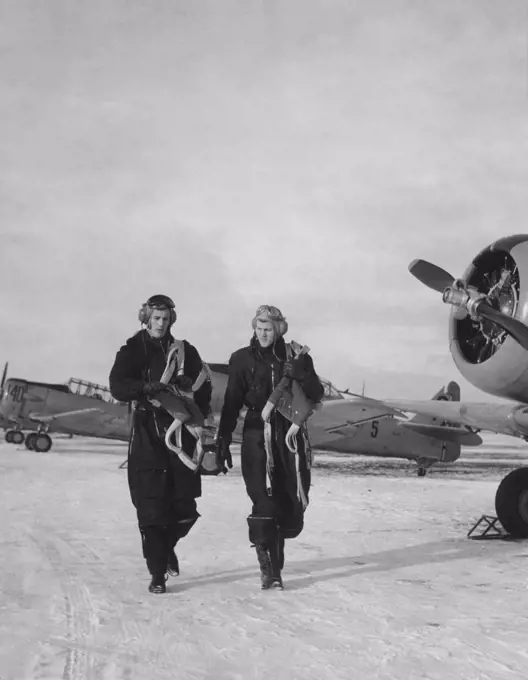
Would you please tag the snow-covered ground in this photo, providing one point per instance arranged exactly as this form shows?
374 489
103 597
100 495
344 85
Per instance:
383 583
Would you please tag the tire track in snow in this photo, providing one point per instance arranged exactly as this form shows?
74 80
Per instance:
79 613
88 605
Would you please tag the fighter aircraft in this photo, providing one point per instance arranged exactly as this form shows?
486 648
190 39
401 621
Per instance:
489 345
356 425
14 430
345 424
78 407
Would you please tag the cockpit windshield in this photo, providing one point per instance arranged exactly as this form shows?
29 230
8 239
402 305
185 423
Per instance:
88 389
330 392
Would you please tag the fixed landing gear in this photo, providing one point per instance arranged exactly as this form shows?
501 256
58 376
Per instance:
38 441
423 465
14 437
511 503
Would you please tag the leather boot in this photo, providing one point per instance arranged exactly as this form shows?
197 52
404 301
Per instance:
154 540
266 569
264 535
157 584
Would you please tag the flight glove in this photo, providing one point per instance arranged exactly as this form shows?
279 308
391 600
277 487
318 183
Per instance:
154 387
294 369
223 453
183 382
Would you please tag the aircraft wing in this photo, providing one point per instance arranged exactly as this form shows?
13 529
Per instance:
511 419
338 418
89 422
447 433
65 414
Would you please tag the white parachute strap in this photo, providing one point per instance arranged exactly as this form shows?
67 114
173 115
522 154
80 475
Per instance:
176 361
197 432
269 453
177 348
291 438
203 376
291 443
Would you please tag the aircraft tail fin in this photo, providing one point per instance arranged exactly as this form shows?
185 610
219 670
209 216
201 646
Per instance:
450 392
451 435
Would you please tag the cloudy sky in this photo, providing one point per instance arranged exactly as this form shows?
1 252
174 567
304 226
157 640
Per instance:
231 153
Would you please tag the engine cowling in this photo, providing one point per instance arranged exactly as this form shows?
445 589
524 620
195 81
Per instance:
484 353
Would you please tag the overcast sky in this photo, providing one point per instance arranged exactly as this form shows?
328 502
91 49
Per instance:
231 153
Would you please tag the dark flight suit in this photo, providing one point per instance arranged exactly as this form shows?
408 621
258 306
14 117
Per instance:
277 513
163 490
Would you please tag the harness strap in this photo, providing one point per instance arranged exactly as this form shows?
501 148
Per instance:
176 429
269 455
177 349
291 443
292 349
176 362
203 376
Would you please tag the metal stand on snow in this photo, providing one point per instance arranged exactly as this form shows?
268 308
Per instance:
124 464
490 527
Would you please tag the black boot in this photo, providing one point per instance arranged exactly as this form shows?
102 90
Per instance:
157 584
270 575
264 535
173 566
276 555
266 568
154 540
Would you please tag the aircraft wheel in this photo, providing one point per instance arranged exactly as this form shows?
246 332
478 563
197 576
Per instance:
30 441
421 472
17 437
511 503
42 443
9 436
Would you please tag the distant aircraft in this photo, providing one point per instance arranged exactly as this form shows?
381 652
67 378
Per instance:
489 345
344 424
341 427
79 407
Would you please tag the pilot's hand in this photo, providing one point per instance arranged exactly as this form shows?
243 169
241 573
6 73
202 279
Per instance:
183 382
223 453
154 387
294 369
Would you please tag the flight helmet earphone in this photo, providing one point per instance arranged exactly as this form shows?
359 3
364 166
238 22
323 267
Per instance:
272 314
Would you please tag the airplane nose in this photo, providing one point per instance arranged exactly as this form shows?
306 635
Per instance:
521 419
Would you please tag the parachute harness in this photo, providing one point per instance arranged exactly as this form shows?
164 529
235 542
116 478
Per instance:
290 438
175 362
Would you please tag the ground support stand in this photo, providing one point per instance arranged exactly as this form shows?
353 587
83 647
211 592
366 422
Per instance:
490 527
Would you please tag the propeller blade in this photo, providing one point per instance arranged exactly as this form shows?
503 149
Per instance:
4 375
514 327
430 275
